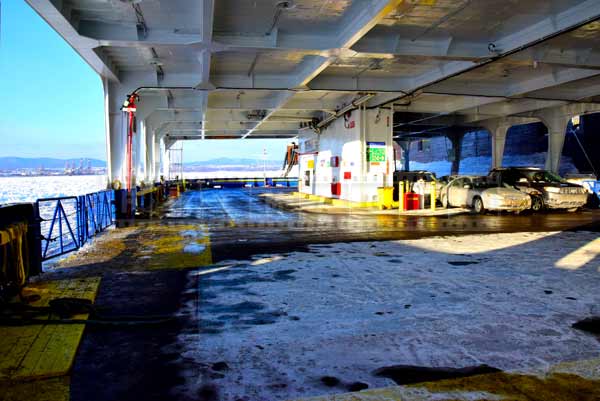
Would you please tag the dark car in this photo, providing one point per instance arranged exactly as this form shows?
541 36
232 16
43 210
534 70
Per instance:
547 190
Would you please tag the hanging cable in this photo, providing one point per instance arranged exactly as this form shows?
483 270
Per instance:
574 132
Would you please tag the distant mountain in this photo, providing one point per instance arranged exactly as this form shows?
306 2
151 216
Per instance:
231 164
230 161
12 163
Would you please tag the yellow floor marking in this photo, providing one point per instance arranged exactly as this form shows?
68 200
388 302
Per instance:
44 351
567 381
177 246
54 389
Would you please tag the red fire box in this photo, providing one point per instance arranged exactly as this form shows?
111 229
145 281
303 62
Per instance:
411 201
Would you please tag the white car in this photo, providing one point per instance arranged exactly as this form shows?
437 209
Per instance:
480 194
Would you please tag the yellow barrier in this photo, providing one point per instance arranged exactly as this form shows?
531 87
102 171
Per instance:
385 197
433 196
400 196
15 253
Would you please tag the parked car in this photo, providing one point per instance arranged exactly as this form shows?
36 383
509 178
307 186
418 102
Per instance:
581 179
547 190
479 193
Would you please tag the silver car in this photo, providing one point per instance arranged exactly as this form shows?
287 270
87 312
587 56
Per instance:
480 194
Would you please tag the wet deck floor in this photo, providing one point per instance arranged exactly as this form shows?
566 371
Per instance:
242 224
289 309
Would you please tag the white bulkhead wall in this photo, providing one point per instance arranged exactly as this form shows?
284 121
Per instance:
357 179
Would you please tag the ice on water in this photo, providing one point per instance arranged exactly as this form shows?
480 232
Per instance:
29 189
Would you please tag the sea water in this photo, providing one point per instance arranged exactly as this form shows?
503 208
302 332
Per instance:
29 189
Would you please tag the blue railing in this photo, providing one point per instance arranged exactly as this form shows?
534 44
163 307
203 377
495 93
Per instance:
67 223
95 214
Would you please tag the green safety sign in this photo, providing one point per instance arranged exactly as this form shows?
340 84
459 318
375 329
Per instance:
376 154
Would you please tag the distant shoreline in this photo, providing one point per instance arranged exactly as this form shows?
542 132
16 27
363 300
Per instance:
47 175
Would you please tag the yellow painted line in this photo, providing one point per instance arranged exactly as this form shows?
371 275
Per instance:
44 351
177 246
565 381
351 204
334 201
146 191
54 389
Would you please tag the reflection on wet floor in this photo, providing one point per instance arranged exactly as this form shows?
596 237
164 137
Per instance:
239 219
226 207
283 304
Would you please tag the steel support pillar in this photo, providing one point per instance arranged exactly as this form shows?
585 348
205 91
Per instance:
497 130
115 132
150 155
116 138
405 146
557 129
145 156
498 144
456 137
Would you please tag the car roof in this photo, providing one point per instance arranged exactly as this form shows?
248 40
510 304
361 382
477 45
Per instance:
517 168
414 172
472 177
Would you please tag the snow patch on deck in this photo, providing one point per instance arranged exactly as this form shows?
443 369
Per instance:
282 322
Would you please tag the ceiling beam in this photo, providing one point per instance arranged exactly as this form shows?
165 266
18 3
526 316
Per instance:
549 26
506 108
126 35
355 24
86 48
558 76
508 87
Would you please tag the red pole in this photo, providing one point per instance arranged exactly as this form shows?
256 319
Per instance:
129 107
129 150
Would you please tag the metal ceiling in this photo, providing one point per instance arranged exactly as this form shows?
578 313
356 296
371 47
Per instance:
471 60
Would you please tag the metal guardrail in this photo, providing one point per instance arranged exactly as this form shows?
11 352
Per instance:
67 223
96 214
593 186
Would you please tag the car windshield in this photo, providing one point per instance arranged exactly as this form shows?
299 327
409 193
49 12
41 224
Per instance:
541 176
415 176
484 184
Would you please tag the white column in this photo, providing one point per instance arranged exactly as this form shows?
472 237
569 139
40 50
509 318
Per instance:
166 162
115 132
107 130
149 177
557 128
143 139
498 143
157 172
140 153
497 130
115 94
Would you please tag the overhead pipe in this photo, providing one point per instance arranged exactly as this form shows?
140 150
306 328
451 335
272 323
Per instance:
382 105
355 104
491 59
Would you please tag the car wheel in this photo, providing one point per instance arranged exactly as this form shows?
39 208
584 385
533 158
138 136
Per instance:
536 203
478 205
444 202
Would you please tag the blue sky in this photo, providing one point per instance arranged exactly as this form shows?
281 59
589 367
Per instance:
51 101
